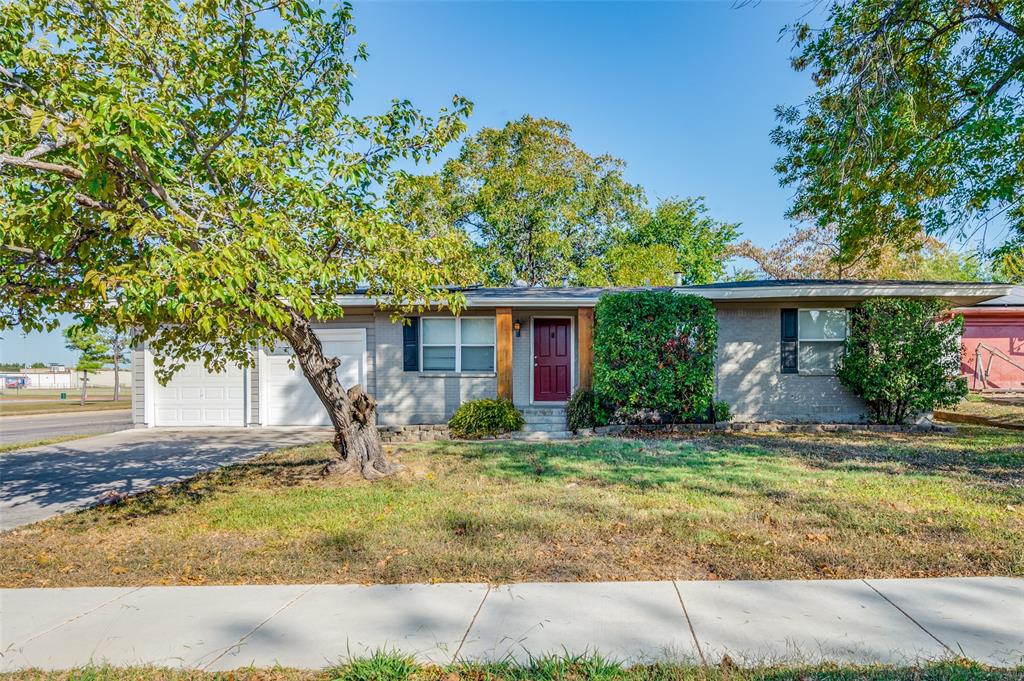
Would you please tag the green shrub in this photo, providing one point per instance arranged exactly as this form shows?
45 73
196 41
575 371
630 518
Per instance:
654 357
722 411
579 411
903 357
477 418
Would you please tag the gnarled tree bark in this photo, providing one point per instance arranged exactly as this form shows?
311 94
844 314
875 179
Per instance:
353 412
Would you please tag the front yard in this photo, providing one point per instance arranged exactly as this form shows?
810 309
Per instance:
721 506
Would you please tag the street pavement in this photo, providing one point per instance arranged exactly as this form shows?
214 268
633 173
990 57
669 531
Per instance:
900 622
40 482
36 427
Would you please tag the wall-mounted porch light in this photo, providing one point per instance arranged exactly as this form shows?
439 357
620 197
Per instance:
517 326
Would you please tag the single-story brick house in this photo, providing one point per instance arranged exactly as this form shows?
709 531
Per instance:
994 334
777 343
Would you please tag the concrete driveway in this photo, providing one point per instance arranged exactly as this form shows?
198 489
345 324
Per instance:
41 482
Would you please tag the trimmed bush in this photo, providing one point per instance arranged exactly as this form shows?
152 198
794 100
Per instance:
579 411
903 357
478 418
654 357
722 411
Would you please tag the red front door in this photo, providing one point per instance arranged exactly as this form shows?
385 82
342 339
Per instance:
552 360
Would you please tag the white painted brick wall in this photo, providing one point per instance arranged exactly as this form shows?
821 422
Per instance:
750 380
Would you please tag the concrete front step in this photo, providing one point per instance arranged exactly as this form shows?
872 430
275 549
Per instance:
542 435
544 423
543 411
553 418
543 427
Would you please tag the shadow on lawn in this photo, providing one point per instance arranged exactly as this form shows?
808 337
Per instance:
995 457
609 462
267 470
749 459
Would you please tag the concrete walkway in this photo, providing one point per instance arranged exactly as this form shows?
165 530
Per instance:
40 482
227 627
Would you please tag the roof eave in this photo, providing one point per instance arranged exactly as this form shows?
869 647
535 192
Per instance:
965 294
958 294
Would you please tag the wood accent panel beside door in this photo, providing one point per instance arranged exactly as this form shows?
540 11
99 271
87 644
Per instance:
585 326
504 350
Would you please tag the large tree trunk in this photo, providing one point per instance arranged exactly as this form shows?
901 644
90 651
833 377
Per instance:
353 412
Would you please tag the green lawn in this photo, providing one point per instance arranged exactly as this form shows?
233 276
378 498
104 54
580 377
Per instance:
395 668
730 506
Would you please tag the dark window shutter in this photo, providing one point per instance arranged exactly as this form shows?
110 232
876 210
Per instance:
789 342
411 344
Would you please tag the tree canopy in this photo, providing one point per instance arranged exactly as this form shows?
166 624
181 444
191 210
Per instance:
916 122
536 204
543 211
184 162
679 233
193 170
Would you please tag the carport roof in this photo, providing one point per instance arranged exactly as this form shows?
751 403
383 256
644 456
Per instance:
1014 299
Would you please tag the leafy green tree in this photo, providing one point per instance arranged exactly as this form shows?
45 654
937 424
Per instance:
538 206
10 366
631 264
903 357
916 120
192 170
699 243
38 365
938 262
92 351
1009 265
543 211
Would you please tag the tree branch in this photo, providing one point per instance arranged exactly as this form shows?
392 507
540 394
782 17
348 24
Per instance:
22 162
155 186
244 106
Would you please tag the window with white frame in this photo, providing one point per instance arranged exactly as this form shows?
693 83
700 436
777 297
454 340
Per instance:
458 344
822 339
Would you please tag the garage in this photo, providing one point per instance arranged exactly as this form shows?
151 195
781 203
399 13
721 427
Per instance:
289 399
197 397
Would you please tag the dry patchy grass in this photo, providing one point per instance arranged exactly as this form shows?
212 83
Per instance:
390 667
732 506
1006 410
45 441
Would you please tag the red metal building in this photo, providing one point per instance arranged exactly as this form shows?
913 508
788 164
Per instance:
994 343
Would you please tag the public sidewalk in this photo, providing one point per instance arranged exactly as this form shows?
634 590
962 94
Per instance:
227 627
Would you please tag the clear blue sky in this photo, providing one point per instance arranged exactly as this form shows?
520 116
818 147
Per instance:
682 91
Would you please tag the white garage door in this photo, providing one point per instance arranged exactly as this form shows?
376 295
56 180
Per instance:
290 401
197 397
